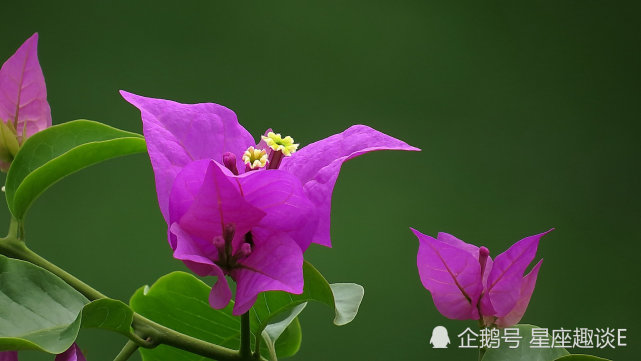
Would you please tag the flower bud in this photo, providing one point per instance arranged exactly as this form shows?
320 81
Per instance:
228 232
245 250
229 160
218 242
484 253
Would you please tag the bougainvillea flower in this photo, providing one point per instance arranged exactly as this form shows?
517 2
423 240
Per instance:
73 353
222 224
23 100
178 134
466 283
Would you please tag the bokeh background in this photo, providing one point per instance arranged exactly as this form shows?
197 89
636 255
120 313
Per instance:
527 114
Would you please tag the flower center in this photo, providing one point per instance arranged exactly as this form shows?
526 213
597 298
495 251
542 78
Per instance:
229 259
277 143
280 147
254 158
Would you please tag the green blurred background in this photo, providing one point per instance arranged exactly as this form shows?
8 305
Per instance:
527 114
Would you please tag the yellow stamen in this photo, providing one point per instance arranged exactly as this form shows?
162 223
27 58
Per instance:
255 158
276 142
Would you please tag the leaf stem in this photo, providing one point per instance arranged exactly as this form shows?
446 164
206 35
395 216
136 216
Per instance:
156 334
126 352
245 340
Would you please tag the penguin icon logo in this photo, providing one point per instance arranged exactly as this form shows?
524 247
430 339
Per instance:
439 339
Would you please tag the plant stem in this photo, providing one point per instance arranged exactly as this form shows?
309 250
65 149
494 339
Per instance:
245 340
126 352
156 334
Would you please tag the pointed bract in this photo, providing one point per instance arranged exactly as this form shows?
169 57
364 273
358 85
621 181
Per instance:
452 276
23 93
503 283
317 166
527 288
24 109
177 134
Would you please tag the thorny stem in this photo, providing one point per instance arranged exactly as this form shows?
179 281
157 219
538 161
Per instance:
148 334
128 350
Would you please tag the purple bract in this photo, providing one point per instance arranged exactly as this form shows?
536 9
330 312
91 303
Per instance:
23 100
466 283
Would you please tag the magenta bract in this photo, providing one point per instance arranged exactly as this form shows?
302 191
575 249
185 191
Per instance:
242 208
24 109
466 283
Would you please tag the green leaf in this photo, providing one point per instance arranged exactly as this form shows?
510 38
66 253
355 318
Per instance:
347 300
180 301
272 332
108 314
581 358
58 151
38 311
524 352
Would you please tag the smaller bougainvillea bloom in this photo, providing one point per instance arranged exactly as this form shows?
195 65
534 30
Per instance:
178 134
466 283
72 354
241 226
23 100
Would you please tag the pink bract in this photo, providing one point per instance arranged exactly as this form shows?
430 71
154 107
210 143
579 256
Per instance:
466 283
23 93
